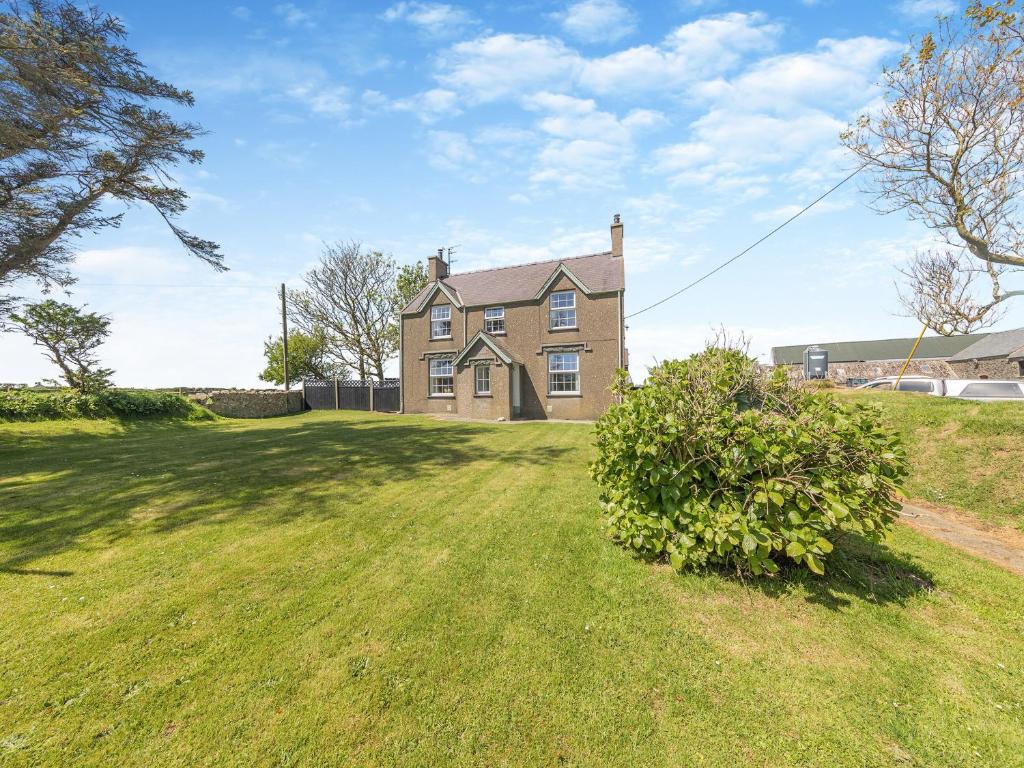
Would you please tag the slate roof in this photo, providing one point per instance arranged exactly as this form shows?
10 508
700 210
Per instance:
599 272
1000 344
883 349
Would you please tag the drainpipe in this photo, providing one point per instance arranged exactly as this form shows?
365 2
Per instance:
401 365
622 323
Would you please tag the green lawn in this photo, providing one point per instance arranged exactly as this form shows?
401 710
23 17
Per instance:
964 454
353 589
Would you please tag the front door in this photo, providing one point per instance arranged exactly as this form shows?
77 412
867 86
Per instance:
516 404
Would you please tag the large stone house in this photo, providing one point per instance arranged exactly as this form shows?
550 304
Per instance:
533 341
997 355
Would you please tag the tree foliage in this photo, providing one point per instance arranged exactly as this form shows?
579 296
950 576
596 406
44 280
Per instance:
79 128
352 299
69 337
308 358
947 147
716 462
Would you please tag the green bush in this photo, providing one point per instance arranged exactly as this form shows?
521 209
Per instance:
29 405
717 462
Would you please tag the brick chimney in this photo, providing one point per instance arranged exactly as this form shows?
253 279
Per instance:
617 235
437 267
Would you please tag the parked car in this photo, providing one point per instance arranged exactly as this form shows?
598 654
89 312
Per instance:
963 389
984 389
921 384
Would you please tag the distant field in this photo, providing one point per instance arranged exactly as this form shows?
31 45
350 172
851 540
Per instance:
370 590
965 455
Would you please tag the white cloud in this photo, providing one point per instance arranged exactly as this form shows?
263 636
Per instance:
125 264
433 19
429 106
323 99
699 49
838 71
589 146
241 12
781 213
927 9
293 16
595 21
498 66
452 151
519 199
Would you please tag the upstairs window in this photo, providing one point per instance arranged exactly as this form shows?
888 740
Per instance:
564 373
442 377
563 309
441 322
494 320
482 380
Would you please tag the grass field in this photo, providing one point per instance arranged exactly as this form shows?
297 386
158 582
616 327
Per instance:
354 589
964 455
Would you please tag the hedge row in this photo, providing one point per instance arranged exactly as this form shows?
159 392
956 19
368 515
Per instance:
28 405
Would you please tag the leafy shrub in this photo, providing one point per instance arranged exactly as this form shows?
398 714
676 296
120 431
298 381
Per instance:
717 462
819 384
28 405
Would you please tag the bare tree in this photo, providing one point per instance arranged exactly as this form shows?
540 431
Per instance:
947 147
351 298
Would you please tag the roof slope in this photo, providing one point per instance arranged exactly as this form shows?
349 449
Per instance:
599 272
881 349
999 344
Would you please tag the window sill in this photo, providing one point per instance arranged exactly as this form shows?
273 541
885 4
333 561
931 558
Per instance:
440 338
495 333
564 394
440 397
564 328
481 394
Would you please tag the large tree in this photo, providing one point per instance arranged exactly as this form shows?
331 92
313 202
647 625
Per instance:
69 337
947 147
351 297
78 129
308 358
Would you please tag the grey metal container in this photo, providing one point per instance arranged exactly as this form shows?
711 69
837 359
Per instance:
815 363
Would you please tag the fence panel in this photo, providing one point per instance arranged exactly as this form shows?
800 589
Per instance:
352 395
386 395
319 395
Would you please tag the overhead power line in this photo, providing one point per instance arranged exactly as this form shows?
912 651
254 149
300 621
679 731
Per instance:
746 250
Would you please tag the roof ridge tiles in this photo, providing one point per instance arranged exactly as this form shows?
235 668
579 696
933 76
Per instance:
528 264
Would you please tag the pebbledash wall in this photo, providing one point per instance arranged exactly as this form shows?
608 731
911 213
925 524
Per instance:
249 403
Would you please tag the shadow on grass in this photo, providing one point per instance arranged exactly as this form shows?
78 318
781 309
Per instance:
70 483
856 570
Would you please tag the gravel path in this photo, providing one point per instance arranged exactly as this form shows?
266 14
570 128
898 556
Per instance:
953 530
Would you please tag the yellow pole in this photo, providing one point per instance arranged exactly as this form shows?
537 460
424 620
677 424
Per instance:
911 355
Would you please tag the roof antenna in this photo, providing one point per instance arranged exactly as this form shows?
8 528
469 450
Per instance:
451 252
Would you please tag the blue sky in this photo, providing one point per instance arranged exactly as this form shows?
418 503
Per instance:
515 131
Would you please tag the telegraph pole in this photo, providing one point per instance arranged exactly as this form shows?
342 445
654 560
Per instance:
284 336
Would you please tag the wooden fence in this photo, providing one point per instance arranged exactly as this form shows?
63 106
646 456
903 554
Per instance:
353 395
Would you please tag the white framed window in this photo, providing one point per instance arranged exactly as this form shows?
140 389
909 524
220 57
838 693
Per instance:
482 380
563 309
494 320
563 373
442 377
441 322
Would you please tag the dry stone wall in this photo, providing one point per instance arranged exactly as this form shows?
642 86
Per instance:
249 403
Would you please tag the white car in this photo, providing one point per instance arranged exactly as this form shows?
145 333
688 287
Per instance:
921 384
962 389
984 389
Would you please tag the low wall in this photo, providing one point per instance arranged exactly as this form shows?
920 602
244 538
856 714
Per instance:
249 403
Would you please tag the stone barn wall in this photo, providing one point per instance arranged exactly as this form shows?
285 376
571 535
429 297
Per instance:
995 368
874 369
